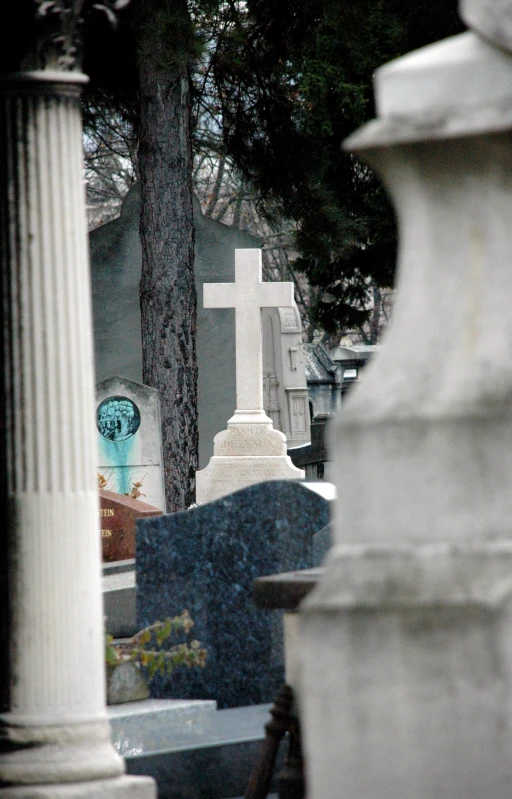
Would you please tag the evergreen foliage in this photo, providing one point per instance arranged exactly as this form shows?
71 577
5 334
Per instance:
285 82
295 79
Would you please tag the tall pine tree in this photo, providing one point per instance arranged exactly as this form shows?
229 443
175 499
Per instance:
141 70
294 78
167 287
288 80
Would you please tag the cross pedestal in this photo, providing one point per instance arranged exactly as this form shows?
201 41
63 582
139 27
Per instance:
250 450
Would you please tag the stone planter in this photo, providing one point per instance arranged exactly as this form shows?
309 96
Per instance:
125 683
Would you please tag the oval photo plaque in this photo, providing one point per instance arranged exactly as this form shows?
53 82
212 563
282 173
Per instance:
117 418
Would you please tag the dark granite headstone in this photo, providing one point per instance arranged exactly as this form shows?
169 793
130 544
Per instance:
206 560
322 542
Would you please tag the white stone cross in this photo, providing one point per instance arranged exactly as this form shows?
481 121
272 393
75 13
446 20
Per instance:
248 295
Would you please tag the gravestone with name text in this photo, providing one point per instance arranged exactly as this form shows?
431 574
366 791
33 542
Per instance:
130 440
205 560
118 515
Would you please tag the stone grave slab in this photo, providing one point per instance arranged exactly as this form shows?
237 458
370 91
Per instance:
152 724
130 457
206 560
118 515
203 754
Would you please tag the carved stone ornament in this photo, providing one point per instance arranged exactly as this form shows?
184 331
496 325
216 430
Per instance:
46 34
395 640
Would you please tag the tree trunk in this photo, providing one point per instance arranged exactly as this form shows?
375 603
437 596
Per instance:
210 211
167 289
237 213
375 318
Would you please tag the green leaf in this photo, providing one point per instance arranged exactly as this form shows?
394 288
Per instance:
111 655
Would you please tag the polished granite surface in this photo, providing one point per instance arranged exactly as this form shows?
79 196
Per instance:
205 560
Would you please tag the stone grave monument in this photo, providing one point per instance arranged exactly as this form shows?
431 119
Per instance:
116 260
205 560
250 450
129 441
131 483
406 658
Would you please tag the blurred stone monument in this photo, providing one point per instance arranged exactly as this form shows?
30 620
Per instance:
406 664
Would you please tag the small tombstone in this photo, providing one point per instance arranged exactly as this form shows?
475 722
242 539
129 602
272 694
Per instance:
130 441
118 515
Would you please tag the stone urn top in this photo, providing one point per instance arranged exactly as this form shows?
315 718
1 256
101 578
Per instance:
443 78
456 87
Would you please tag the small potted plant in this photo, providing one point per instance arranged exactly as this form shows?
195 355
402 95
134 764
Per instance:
130 664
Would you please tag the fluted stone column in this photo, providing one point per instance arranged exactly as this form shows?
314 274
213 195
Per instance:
405 646
54 733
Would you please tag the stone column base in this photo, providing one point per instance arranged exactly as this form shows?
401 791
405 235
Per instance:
126 787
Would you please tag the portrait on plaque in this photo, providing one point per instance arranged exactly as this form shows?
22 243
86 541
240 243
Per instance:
129 441
118 418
